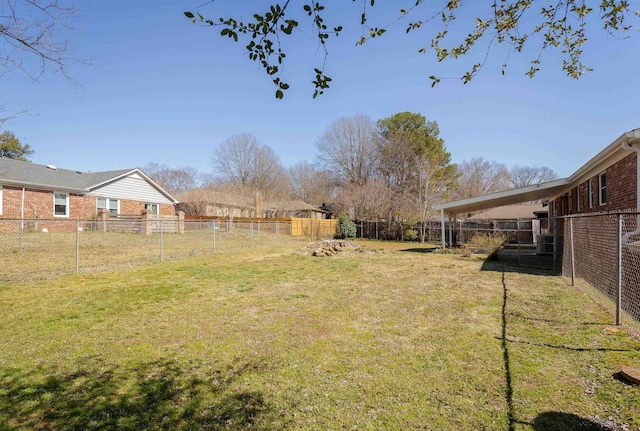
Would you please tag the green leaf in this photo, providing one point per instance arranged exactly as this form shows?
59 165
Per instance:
279 94
189 15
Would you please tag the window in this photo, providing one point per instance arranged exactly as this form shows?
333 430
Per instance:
61 204
112 205
602 188
152 208
590 184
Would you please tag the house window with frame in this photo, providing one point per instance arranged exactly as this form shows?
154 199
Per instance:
153 209
602 188
590 190
60 204
108 204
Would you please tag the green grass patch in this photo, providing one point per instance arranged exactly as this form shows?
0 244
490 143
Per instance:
277 339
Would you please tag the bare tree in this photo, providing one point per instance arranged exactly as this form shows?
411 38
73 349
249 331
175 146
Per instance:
310 184
522 176
347 148
173 180
480 177
242 161
367 202
34 36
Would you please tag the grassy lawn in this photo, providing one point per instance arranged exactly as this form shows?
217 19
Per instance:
393 337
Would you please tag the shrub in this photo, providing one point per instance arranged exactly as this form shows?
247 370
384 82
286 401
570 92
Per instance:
410 234
488 243
346 228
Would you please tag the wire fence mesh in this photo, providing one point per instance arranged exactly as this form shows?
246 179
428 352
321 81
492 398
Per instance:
29 251
604 250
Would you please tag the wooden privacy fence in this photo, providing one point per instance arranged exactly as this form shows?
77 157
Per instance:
317 228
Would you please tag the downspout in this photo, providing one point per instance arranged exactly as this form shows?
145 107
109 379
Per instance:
22 211
633 144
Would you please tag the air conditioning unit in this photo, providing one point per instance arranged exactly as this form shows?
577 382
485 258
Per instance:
545 244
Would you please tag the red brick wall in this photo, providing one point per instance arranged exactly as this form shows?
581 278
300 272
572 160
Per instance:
621 190
39 203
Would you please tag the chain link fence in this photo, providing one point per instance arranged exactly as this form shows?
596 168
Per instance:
604 250
38 249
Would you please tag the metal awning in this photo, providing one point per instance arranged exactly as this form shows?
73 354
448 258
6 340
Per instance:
506 197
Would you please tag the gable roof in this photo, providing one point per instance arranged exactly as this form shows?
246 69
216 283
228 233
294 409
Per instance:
27 174
292 206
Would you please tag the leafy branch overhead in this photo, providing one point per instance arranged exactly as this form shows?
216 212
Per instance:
558 24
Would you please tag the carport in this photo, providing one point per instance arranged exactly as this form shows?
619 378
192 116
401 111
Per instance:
498 199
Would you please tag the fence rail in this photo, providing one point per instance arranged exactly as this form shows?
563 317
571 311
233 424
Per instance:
29 251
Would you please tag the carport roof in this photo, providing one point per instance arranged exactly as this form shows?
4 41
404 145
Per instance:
506 197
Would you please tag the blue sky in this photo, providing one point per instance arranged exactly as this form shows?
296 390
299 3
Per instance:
163 90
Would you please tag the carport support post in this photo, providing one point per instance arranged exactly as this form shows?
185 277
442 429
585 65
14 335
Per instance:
451 230
572 253
444 244
619 290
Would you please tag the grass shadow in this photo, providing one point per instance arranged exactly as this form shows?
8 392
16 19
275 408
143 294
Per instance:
420 249
158 395
503 265
560 421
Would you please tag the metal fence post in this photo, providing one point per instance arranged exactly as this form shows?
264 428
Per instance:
277 232
619 264
251 229
21 229
214 236
572 253
77 246
161 243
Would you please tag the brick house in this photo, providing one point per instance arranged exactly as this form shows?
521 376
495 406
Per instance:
31 191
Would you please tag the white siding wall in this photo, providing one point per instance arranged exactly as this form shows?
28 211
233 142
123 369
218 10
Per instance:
132 187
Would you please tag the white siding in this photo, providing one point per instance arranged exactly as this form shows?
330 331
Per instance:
132 187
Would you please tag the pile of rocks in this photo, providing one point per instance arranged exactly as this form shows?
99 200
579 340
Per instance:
332 247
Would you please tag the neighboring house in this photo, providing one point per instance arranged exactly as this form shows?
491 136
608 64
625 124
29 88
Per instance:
31 191
213 203
521 222
296 209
